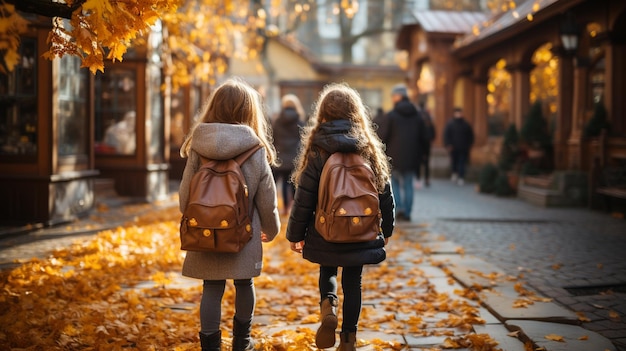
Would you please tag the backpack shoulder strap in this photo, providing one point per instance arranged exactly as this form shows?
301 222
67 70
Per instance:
241 158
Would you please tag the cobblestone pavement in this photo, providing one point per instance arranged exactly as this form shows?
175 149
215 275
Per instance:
574 255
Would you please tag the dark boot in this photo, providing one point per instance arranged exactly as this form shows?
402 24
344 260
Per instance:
325 336
241 336
347 342
211 342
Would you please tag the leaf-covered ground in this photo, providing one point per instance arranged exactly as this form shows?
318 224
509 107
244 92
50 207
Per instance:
122 290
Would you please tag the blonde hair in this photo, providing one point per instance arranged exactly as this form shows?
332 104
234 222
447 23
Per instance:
291 100
340 101
235 102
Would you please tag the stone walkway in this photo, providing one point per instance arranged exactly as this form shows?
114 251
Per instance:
552 262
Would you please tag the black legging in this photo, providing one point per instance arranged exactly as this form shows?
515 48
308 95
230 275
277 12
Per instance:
211 303
351 286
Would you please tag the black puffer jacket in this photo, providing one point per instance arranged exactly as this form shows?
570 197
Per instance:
404 133
332 137
286 132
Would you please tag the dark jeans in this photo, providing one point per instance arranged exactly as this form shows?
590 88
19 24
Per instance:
459 161
351 286
426 164
288 188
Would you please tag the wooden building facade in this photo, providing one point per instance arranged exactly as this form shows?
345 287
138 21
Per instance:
592 70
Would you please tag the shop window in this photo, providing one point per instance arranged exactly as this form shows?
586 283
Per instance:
597 80
115 111
18 104
498 99
73 112
156 151
544 83
177 119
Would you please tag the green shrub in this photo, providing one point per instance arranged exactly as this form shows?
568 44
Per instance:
528 168
598 121
535 131
509 153
487 178
502 186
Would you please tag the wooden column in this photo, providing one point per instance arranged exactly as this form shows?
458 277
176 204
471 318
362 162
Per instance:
579 85
480 109
564 118
520 91
615 86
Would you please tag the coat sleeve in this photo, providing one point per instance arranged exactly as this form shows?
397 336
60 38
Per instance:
387 209
305 199
266 201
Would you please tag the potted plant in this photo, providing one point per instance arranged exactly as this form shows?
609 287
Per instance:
534 132
509 160
487 178
597 122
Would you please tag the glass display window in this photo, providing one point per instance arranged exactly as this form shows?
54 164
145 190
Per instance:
116 112
73 111
18 104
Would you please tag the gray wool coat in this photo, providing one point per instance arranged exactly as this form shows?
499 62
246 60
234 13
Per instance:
225 141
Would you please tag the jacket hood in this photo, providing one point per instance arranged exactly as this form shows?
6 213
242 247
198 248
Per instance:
405 108
288 116
333 137
222 141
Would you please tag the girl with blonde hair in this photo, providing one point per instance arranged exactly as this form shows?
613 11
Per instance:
232 122
340 123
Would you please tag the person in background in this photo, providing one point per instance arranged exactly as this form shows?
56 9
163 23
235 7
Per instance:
431 135
404 134
340 123
286 129
458 140
230 123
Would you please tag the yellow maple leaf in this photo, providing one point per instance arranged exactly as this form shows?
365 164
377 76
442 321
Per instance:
555 337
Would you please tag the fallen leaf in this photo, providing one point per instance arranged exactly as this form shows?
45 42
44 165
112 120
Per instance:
582 317
555 337
514 334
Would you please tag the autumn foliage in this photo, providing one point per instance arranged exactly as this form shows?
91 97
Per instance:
123 290
199 36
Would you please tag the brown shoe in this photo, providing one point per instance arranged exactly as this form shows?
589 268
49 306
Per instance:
325 336
347 342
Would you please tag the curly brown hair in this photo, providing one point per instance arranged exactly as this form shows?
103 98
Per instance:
340 101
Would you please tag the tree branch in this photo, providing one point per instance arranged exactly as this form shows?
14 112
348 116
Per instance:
46 7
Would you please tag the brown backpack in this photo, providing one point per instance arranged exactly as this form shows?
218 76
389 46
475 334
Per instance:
218 216
347 206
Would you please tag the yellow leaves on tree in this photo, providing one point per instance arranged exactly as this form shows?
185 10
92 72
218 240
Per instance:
102 28
202 36
11 26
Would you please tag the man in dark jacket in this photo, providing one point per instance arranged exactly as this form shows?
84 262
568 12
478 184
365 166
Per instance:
404 134
458 139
